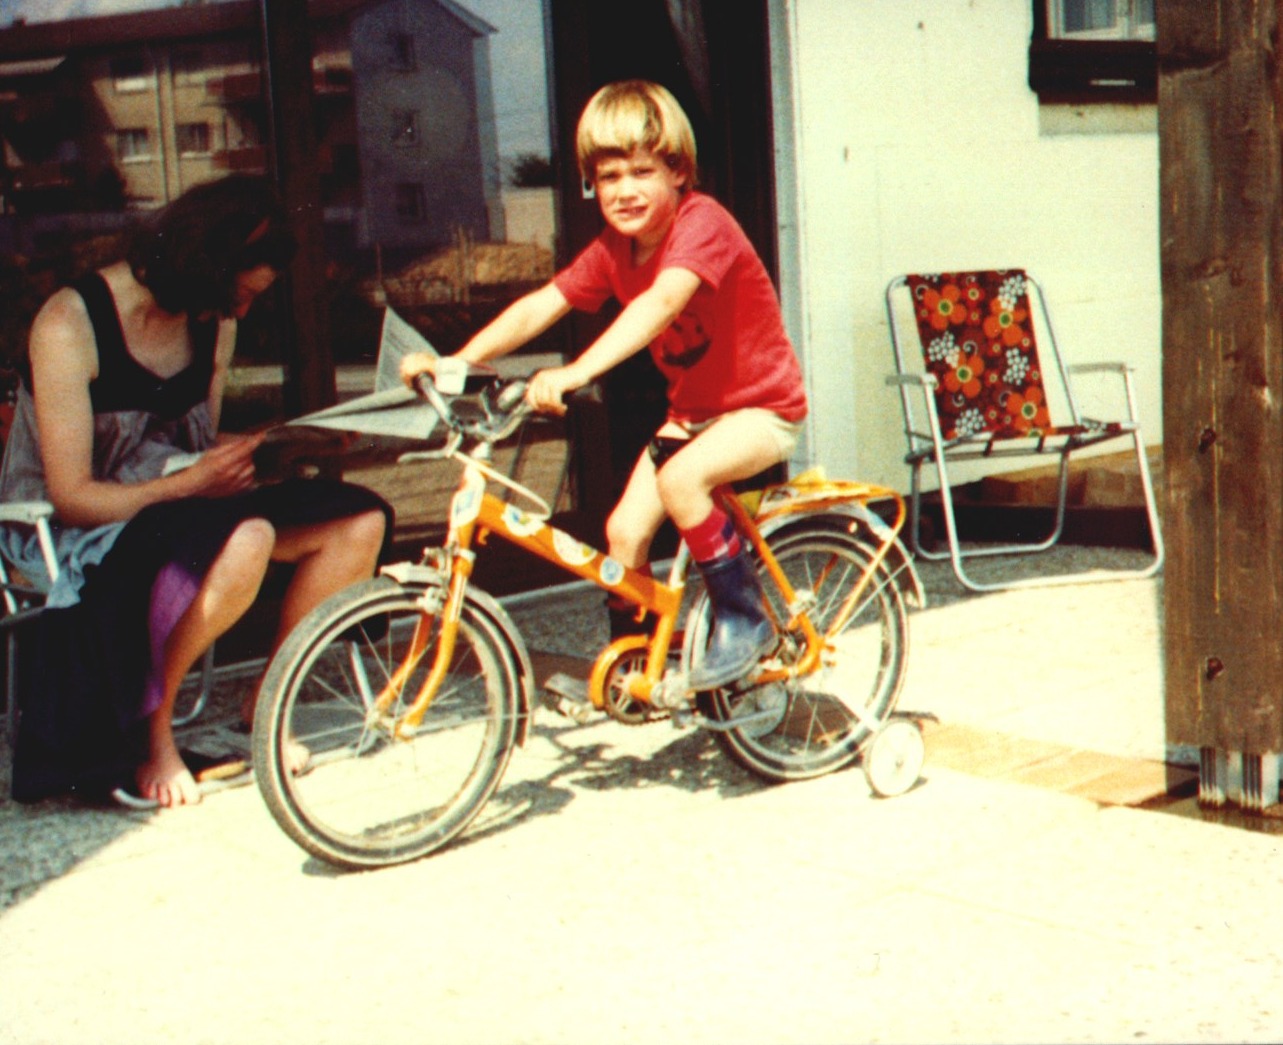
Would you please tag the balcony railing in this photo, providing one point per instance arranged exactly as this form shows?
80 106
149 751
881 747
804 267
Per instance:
55 174
236 88
248 159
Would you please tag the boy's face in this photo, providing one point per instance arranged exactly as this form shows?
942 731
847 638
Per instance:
639 194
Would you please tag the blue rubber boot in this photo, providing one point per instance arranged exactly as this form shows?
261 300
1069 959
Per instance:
742 633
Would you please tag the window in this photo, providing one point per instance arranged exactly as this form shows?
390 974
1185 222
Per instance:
1093 50
133 144
129 74
193 139
1102 19
402 52
405 127
410 202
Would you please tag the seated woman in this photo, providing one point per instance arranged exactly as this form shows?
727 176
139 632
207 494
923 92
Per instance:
127 369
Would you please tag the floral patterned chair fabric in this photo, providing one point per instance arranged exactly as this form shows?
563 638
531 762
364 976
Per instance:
968 361
978 340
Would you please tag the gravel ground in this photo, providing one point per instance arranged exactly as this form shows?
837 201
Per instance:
39 841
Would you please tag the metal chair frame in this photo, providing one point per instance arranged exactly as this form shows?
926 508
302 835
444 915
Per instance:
929 446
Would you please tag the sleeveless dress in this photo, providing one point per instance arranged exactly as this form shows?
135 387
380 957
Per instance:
85 664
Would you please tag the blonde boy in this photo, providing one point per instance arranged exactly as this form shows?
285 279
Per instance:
695 292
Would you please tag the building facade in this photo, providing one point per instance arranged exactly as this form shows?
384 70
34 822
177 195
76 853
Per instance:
126 112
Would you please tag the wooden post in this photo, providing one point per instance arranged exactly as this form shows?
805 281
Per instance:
1221 163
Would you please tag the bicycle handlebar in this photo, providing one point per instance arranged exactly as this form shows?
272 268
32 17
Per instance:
503 408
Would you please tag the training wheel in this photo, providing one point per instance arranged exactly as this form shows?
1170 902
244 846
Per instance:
894 757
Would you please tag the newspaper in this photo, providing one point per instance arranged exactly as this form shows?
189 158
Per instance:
392 408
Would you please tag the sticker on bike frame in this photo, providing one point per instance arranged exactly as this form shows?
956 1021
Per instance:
521 524
571 551
466 503
611 571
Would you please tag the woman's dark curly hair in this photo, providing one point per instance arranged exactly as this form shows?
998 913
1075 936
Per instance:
191 251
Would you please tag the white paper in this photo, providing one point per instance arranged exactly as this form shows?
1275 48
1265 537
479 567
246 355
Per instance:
397 340
392 408
177 462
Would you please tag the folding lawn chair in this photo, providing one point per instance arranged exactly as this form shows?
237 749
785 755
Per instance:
979 388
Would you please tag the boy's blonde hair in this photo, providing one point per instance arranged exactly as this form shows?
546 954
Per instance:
635 114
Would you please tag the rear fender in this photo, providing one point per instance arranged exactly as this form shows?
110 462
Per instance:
858 521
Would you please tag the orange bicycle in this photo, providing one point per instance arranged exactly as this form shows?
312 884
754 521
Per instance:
411 690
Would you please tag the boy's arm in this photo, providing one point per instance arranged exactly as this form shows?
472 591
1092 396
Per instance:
641 321
521 322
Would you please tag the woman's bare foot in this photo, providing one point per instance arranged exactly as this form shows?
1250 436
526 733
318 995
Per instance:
165 779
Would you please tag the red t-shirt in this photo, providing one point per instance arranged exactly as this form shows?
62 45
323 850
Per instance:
728 349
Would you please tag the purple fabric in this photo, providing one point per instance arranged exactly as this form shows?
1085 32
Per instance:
171 595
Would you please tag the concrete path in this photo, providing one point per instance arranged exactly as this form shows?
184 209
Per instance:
632 885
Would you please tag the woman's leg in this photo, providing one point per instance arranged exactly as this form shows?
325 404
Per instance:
328 557
228 590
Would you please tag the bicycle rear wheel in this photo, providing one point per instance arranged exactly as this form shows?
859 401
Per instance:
367 797
817 723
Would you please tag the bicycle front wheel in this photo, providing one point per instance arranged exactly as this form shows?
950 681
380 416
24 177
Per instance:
816 723
336 774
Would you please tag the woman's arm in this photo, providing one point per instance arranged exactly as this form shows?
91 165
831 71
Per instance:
641 321
224 347
64 360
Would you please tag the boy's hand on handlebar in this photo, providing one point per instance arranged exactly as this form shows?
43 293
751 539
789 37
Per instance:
548 387
417 363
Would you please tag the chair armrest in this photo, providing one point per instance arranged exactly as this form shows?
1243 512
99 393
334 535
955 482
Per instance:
36 514
29 512
1088 368
921 380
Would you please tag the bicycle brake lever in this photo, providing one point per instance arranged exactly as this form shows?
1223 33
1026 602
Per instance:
426 387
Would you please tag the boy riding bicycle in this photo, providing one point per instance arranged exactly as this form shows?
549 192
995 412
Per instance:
695 292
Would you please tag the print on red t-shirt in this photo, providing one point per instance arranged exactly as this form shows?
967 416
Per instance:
728 349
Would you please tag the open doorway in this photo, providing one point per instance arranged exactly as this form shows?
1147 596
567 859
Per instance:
714 56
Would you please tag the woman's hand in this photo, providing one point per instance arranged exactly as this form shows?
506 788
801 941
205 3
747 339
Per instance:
548 388
417 363
226 468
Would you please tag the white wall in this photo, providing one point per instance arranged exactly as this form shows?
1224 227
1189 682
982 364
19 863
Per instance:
918 146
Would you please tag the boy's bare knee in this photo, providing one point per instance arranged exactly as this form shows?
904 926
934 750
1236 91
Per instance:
623 538
680 488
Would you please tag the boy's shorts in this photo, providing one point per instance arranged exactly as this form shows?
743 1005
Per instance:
785 433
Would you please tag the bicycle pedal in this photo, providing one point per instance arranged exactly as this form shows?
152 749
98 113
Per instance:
568 696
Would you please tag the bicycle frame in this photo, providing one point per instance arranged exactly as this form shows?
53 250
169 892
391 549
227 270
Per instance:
476 514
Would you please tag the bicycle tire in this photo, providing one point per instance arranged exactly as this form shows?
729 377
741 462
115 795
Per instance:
826 717
366 798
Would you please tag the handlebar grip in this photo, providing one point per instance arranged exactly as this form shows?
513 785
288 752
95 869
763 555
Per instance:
510 395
